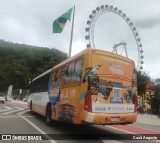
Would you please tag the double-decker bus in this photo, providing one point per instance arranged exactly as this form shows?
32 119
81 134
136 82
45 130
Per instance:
91 87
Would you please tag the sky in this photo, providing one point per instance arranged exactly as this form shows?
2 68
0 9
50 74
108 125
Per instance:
30 22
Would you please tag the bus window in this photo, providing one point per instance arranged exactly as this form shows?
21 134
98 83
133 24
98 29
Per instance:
78 71
31 87
44 82
64 75
71 69
40 85
71 76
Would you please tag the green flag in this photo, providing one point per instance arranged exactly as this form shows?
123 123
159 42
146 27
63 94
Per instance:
60 22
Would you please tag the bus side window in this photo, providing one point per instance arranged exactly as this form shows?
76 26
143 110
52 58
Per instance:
64 75
78 71
44 82
40 84
31 85
36 85
71 68
70 76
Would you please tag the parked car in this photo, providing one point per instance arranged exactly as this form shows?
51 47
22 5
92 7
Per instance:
2 99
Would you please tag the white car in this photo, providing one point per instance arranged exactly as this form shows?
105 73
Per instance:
2 99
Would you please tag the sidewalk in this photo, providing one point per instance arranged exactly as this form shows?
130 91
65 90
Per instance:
17 102
148 119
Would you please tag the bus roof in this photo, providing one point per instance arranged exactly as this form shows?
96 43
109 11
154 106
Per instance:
92 49
46 72
71 58
79 55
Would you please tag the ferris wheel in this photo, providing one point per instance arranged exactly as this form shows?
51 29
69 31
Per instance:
110 27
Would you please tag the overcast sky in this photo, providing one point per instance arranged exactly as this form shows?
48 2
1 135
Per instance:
30 22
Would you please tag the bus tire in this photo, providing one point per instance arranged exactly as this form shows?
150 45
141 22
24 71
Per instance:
30 106
48 115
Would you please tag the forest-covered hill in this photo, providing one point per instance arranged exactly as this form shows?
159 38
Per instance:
19 63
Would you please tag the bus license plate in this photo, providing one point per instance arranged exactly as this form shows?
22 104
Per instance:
115 119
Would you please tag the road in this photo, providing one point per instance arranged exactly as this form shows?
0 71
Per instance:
15 118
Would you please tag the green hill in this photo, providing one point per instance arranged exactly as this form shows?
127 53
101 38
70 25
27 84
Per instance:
19 63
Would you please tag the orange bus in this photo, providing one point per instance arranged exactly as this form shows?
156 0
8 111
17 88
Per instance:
92 87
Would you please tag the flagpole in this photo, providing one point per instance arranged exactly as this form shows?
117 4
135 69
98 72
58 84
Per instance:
70 46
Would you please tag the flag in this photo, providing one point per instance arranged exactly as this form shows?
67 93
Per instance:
60 22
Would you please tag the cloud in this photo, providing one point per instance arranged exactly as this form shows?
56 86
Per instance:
30 22
150 21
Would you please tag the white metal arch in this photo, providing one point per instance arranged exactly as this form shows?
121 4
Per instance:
104 9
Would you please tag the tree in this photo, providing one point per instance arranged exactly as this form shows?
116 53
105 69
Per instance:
156 99
157 90
19 63
142 79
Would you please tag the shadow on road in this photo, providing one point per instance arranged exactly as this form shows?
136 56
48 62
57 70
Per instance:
67 131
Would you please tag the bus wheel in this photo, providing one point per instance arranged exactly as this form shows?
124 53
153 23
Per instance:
48 115
31 106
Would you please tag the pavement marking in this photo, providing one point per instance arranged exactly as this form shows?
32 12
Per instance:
38 129
20 113
7 109
9 112
14 116
9 117
120 130
129 132
151 130
110 141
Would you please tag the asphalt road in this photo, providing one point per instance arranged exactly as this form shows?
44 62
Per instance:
17 119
